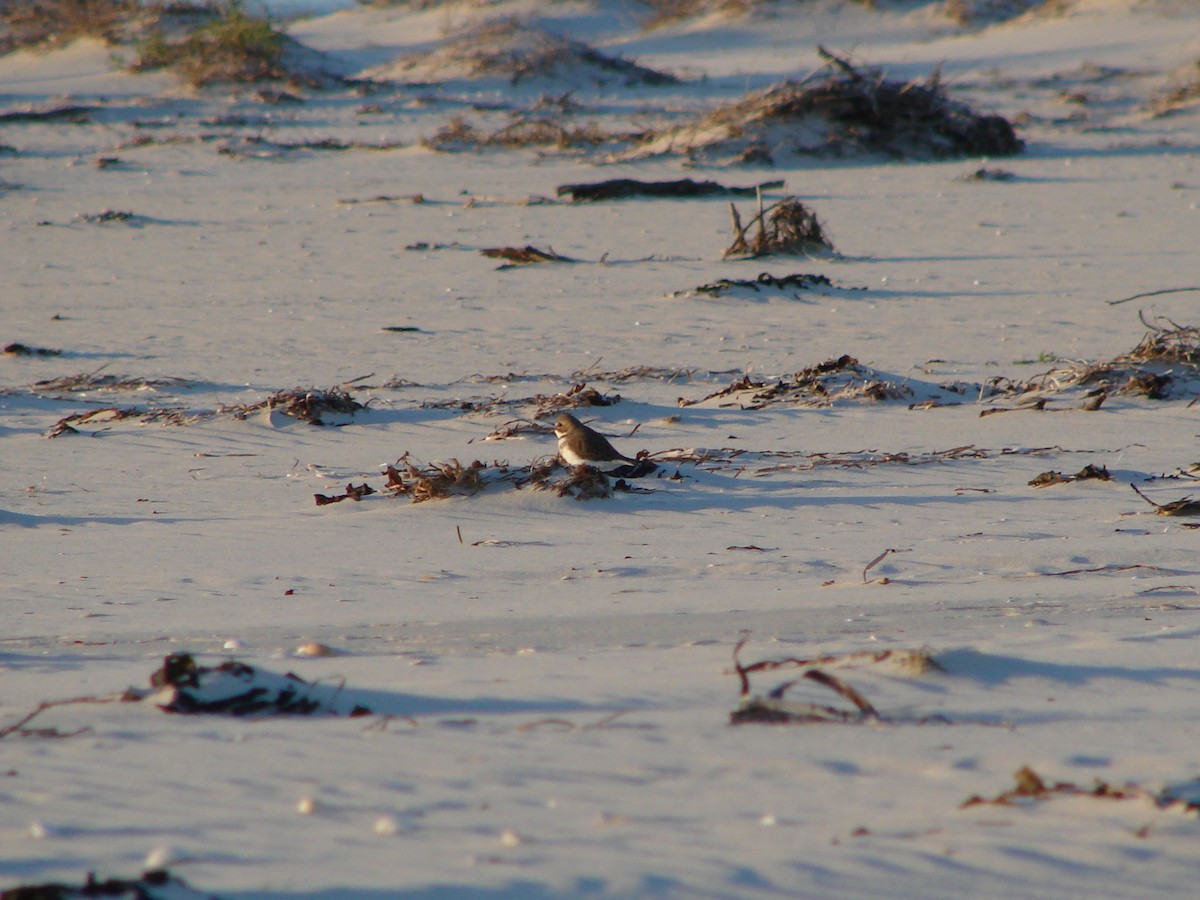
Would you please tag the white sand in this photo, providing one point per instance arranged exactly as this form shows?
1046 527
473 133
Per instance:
504 657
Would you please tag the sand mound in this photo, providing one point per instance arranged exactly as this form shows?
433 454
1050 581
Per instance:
845 112
512 51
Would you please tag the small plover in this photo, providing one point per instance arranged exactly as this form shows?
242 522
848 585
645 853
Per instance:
579 445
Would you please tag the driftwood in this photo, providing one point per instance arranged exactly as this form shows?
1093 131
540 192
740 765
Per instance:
19 349
619 188
524 256
67 113
1152 294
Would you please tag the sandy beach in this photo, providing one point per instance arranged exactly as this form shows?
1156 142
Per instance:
950 469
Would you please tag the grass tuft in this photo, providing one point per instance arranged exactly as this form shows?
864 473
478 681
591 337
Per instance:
231 46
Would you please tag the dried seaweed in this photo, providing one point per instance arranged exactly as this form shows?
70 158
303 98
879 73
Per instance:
20 727
717 459
255 146
19 349
439 480
352 493
54 113
174 415
775 709
94 381
1170 343
846 111
1184 92
540 406
1185 507
1166 362
237 689
154 884
837 378
1087 473
765 280
106 215
785 227
986 174
909 662
880 558
1031 788
581 482
306 404
459 134
524 256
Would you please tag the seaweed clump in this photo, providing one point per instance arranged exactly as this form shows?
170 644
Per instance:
847 111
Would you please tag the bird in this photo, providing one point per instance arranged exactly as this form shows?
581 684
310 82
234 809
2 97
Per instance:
579 445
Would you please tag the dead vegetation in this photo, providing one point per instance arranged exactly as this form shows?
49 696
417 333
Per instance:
1184 507
764 282
524 256
525 131
759 463
256 146
18 349
70 112
1184 93
537 406
441 480
784 227
174 415
1031 788
1168 342
843 111
774 708
154 884
95 381
46 24
105 216
204 42
226 45
518 52
837 379
1165 364
234 688
351 493
989 174
624 188
306 404
1087 473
